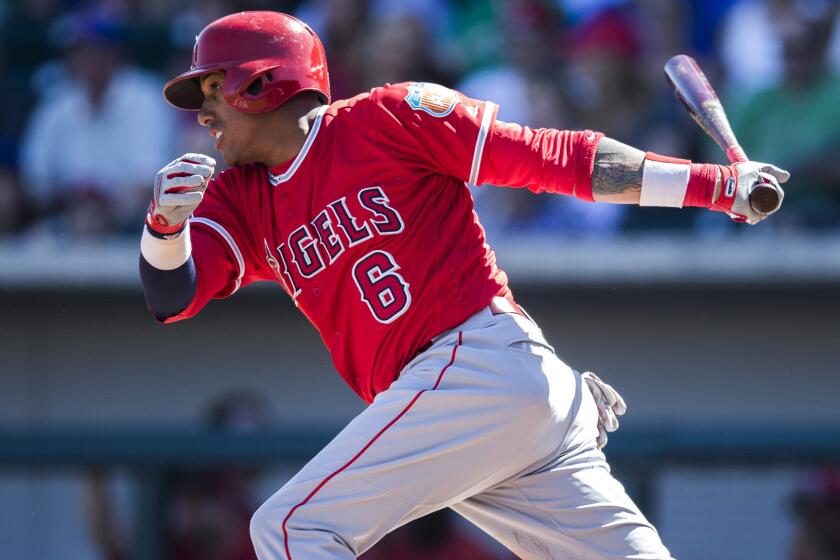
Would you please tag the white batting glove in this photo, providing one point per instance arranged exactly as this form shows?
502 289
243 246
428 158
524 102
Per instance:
734 197
610 405
179 189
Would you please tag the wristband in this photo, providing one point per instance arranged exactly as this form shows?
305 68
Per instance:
155 233
675 183
701 185
728 190
664 181
166 253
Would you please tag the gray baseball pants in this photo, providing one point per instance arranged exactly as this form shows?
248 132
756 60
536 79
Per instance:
489 422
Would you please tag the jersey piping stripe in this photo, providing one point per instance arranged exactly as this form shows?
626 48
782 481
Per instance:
367 446
310 138
479 142
231 243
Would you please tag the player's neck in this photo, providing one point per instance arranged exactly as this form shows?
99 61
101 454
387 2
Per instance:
289 128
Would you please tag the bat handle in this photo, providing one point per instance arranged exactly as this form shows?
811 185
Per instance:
735 154
763 198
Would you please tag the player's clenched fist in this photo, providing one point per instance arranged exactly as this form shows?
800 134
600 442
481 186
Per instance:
738 184
179 188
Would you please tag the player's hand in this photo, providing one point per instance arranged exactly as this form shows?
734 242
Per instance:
734 197
179 188
610 405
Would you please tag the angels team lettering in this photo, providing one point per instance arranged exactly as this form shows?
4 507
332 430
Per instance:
312 247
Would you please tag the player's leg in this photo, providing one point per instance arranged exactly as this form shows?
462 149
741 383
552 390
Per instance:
450 427
590 518
570 506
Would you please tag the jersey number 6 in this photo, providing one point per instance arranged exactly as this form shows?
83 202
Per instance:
383 289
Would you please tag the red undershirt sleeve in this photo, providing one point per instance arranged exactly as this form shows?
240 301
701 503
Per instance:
541 160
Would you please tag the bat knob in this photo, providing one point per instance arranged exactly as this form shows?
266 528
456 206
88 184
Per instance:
765 199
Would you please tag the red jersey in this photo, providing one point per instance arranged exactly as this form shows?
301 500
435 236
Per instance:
371 228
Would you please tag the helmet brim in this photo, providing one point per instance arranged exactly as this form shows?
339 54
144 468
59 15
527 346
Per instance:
184 91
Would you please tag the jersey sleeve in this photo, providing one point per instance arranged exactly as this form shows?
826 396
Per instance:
442 130
222 245
432 127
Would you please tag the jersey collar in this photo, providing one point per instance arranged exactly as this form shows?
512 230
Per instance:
277 178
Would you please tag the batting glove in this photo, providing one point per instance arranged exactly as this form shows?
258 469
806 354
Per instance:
179 188
739 180
610 405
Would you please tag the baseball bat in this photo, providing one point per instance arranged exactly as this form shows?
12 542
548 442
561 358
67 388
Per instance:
700 100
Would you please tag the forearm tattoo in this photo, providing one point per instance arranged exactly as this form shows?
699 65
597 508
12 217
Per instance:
618 168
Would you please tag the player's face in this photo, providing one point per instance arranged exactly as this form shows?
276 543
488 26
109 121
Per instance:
237 133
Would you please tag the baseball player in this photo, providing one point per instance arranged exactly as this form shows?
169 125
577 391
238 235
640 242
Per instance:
359 209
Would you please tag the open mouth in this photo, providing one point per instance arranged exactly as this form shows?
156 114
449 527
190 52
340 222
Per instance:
218 134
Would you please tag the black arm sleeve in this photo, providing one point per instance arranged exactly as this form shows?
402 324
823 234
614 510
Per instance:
168 292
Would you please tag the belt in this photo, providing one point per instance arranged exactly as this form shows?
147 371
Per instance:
498 305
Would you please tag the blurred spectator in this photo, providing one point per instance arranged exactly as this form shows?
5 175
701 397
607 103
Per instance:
99 134
207 511
751 49
14 207
182 29
397 50
616 54
578 11
14 211
521 80
705 20
340 25
816 506
435 16
795 124
523 77
533 86
603 80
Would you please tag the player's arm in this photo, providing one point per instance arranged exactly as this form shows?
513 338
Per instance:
182 269
431 126
178 290
617 173
592 167
622 174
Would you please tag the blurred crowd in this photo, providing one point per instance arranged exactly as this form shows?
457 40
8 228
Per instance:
85 128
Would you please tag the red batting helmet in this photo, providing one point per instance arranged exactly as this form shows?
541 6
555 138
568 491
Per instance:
267 57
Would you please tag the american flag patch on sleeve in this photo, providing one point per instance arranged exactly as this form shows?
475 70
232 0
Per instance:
435 99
